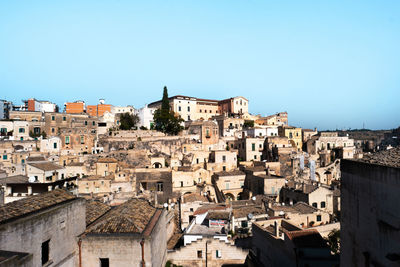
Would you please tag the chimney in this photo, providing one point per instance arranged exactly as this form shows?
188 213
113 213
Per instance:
276 228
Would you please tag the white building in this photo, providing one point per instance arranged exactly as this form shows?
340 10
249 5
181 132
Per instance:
50 145
145 115
118 110
262 132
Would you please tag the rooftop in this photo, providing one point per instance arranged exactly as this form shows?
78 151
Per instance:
134 216
231 173
94 210
24 207
38 158
107 160
17 179
389 158
46 166
194 197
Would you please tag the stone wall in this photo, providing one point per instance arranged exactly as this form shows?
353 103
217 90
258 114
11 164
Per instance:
60 224
369 214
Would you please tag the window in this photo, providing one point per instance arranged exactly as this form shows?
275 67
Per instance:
82 139
315 205
3 130
318 218
226 185
93 123
188 108
255 156
45 252
54 145
253 147
223 158
179 108
181 184
245 224
199 254
200 110
241 184
104 262
323 204
67 140
160 187
290 135
53 118
53 130
218 254
23 161
21 130
223 168
4 157
64 118
188 118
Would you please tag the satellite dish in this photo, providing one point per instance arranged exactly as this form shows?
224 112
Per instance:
165 205
253 198
250 216
281 213
31 179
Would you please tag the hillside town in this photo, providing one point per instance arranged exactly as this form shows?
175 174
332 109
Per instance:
188 181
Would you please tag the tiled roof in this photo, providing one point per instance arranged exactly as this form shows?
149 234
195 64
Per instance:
205 208
38 158
96 177
390 158
94 210
240 212
173 241
231 173
307 239
29 205
218 215
46 166
17 179
133 216
107 160
194 197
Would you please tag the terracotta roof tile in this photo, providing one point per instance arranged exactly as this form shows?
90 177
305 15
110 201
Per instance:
132 216
94 210
46 166
29 205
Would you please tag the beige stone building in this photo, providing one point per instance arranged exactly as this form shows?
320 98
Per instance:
131 234
250 149
216 252
230 183
222 160
293 134
94 185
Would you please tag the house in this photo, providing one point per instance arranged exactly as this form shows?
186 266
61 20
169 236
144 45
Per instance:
42 230
45 172
370 210
294 135
277 242
230 184
131 234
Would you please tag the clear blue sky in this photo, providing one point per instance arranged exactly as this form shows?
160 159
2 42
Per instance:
328 63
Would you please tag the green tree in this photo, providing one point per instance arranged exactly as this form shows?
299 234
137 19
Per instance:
248 124
128 121
164 119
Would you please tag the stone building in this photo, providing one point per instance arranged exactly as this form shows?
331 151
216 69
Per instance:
78 140
230 184
229 125
293 134
329 141
300 214
370 211
263 184
222 160
277 242
207 131
131 234
95 185
213 251
45 227
250 149
320 197
278 119
45 172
